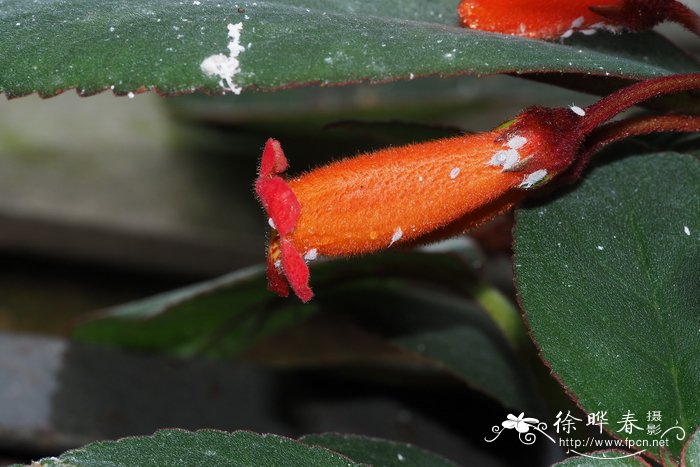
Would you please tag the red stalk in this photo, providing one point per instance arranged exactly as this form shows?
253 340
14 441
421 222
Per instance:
635 126
619 101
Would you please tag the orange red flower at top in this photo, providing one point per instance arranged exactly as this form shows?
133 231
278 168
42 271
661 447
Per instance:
553 19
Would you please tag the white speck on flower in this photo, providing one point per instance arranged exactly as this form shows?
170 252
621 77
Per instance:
278 263
311 255
506 158
568 33
588 32
600 247
455 172
532 179
420 178
271 223
686 230
577 110
398 233
130 95
516 142
523 28
226 67
400 457
578 22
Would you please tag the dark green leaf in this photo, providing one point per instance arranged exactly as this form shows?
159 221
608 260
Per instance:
377 452
608 277
170 448
617 459
447 330
691 451
225 316
51 46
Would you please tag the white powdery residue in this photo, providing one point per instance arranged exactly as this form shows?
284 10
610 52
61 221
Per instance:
455 172
398 233
516 142
577 110
278 264
271 223
226 67
311 255
506 158
400 457
532 179
196 2
568 33
686 230
600 247
578 22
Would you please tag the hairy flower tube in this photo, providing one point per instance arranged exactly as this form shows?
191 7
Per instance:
553 19
428 191
404 195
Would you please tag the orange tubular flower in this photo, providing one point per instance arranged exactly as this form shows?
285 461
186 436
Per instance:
405 194
428 191
553 19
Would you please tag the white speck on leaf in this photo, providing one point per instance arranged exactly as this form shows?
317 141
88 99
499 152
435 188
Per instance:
534 178
400 457
577 110
600 247
226 67
455 172
686 230
398 233
130 95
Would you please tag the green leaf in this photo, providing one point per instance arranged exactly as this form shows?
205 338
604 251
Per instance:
691 451
608 277
616 459
377 452
219 318
51 46
444 329
168 448
225 316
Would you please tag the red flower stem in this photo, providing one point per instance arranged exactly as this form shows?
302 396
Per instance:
685 16
613 104
636 126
